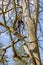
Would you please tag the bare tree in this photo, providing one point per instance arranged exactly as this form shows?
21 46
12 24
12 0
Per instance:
31 27
21 20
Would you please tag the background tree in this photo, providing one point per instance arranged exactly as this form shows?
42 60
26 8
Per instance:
20 30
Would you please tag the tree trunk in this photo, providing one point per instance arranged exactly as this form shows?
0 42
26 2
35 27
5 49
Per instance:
31 28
